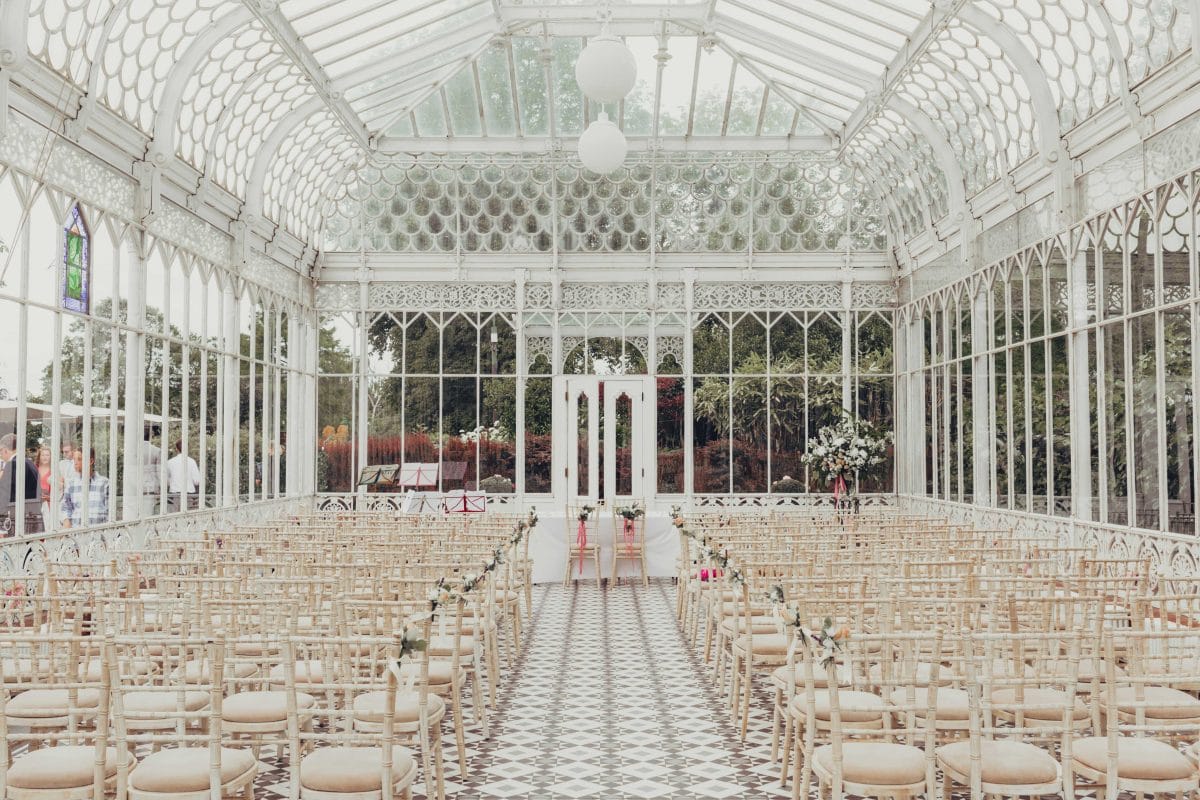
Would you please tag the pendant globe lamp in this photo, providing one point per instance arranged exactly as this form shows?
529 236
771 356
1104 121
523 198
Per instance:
606 70
602 147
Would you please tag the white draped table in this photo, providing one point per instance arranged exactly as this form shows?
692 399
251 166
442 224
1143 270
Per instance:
548 547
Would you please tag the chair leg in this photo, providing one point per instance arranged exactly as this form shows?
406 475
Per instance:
599 581
459 738
746 694
785 752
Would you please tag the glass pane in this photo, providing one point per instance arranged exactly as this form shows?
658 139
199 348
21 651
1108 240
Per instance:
461 432
788 432
539 446
1177 358
710 346
497 447
1143 250
582 444
749 436
1143 348
710 435
335 416
824 344
1117 444
422 401
670 435
422 346
623 440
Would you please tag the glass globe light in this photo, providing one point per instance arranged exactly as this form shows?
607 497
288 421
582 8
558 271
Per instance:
602 147
606 69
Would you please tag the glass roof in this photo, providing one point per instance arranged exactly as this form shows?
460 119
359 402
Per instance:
703 91
277 103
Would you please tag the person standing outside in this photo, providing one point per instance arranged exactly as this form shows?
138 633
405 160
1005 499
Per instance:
183 480
10 505
85 501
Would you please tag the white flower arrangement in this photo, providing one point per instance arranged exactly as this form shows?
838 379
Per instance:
496 432
846 449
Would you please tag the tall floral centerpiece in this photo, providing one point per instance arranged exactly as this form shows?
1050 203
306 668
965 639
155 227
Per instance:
845 452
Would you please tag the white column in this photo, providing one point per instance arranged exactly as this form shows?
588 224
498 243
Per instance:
1080 396
135 375
230 381
981 400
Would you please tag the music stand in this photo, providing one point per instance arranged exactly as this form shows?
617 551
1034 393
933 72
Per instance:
463 502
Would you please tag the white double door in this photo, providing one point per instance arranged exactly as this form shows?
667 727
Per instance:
604 439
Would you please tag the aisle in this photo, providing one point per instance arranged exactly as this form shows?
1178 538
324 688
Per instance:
607 701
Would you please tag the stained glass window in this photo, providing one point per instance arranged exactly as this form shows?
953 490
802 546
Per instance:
77 264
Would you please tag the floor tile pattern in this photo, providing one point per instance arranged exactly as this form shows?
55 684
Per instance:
606 701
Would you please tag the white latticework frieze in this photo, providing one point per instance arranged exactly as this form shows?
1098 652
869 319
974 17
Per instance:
671 295
539 295
872 295
605 295
447 296
31 149
670 347
717 296
273 276
337 296
181 227
539 346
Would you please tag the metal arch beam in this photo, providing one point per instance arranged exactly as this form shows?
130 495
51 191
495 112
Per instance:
1128 101
956 185
257 177
1194 5
940 15
248 86
1050 144
163 145
14 33
267 12
998 133
75 128
14 49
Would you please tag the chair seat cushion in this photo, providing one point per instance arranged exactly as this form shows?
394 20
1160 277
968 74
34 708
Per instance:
854 706
444 645
62 767
1137 758
875 763
440 672
185 769
1003 762
820 676
163 701
261 707
767 644
1006 700
1159 702
47 703
953 705
351 770
369 707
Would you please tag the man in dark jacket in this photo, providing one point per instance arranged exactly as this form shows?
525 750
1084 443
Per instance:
10 506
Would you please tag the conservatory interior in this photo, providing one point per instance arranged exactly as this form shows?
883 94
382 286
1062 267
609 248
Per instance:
545 398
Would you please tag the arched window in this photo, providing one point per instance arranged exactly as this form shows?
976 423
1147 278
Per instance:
77 264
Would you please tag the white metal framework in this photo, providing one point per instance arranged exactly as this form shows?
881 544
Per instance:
310 224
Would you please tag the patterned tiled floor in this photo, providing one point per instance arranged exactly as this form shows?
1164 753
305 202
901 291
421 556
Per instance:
606 701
